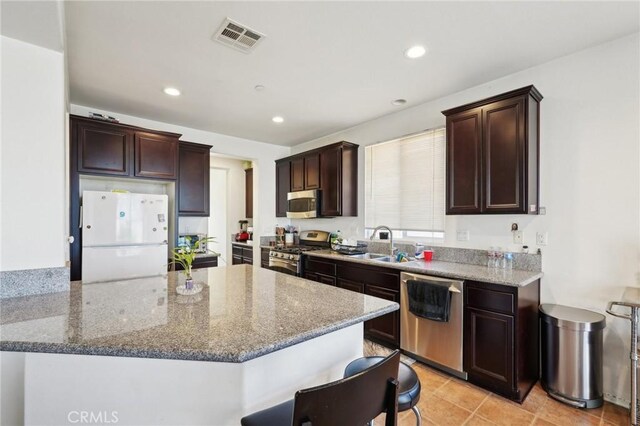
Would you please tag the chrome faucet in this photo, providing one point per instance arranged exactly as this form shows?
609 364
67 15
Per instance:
377 228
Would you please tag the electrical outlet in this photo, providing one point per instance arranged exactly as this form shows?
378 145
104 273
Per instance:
542 210
517 237
542 238
463 235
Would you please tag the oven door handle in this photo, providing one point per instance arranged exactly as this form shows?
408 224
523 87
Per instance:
452 288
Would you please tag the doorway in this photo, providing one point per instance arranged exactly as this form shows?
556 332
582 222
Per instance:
218 213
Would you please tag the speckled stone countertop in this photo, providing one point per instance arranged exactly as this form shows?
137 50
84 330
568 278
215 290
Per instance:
463 271
242 313
241 243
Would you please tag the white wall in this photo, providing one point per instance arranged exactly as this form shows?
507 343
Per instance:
590 180
262 154
32 188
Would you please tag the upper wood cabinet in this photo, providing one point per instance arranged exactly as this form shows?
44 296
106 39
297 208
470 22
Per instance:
248 193
283 186
115 149
193 182
339 180
156 156
103 148
333 169
493 154
305 172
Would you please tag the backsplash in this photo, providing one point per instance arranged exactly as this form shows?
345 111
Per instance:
521 261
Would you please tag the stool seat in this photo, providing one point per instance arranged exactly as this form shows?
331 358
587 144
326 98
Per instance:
408 381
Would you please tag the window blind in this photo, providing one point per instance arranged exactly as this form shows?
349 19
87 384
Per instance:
405 182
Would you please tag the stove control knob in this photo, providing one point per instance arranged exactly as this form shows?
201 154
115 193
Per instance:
281 255
291 256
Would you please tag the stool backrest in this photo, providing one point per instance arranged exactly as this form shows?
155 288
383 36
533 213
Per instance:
354 400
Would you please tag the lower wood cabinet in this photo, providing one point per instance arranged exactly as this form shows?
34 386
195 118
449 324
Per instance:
378 282
501 337
241 254
201 262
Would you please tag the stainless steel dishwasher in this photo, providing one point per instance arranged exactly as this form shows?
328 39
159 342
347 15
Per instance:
436 343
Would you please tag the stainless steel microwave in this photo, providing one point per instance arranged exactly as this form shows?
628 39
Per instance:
303 204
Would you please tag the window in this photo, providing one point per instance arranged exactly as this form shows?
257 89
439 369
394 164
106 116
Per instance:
405 185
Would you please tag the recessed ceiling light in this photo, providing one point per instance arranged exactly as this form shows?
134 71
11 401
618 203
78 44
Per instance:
171 91
415 52
398 102
259 88
277 119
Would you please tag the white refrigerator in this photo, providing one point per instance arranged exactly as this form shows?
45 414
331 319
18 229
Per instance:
124 235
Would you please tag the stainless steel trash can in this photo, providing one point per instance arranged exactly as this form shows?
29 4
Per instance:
571 346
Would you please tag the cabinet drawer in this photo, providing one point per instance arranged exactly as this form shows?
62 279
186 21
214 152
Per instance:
377 276
247 252
319 266
236 250
491 299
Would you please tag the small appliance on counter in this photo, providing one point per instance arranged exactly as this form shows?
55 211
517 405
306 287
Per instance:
190 240
243 235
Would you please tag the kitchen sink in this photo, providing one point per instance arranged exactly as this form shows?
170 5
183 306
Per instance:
374 256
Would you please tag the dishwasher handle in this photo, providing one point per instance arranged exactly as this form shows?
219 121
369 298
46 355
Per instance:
452 288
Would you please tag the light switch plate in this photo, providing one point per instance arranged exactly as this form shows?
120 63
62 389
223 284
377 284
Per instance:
517 237
463 235
542 238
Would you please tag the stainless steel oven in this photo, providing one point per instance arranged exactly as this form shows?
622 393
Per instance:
303 204
436 343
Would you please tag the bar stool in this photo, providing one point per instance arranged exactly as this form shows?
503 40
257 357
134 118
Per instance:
408 383
351 400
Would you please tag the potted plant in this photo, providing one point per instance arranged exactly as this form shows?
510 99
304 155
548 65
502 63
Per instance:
184 256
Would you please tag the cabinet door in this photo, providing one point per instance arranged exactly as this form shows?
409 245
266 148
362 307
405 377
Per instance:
283 186
311 276
297 174
104 149
358 287
312 171
248 193
236 260
156 156
326 279
489 349
464 168
331 181
193 183
504 167
385 327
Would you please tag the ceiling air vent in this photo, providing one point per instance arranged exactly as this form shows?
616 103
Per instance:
238 36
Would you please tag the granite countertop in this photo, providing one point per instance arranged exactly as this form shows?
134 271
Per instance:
241 243
463 271
243 312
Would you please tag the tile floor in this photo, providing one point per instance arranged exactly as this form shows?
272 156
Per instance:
446 400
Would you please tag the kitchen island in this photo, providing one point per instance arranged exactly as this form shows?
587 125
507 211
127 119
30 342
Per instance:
135 348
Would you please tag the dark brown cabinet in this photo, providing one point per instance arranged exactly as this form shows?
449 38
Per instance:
193 183
201 262
248 193
240 254
501 337
493 154
339 180
103 148
374 281
156 156
333 169
283 186
297 174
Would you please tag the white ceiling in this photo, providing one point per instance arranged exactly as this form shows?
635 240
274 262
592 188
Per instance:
34 22
325 66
